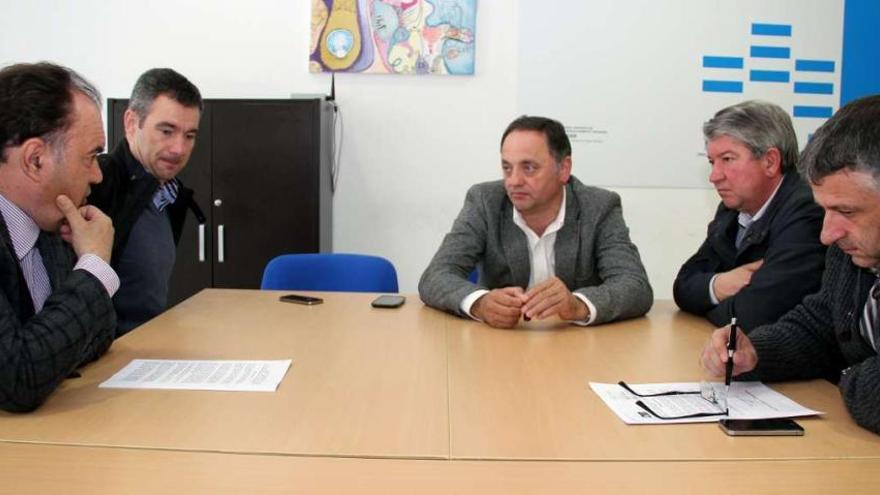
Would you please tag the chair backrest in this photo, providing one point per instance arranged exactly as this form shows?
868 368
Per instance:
330 272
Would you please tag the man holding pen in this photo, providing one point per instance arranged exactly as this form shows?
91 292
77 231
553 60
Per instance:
835 333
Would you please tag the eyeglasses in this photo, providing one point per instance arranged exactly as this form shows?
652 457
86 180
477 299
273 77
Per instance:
707 392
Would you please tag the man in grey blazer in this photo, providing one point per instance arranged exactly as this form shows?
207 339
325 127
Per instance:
545 244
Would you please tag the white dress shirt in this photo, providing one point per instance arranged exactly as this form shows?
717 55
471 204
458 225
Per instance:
542 258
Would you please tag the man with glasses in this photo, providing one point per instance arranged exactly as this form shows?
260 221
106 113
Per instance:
55 308
546 244
835 333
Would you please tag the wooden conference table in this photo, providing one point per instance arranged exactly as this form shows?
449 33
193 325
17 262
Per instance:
412 399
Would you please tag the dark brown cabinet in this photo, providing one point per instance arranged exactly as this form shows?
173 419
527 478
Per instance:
261 174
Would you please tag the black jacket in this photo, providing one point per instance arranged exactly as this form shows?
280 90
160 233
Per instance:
786 237
127 189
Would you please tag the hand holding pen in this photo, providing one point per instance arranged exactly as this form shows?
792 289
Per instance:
719 359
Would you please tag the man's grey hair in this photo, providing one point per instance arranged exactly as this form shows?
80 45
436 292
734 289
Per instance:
759 125
80 84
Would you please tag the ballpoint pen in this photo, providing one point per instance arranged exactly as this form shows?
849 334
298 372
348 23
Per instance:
731 348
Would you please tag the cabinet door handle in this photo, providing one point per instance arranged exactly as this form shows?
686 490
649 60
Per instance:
201 243
221 255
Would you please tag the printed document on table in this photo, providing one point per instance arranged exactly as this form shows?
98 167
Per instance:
747 400
235 376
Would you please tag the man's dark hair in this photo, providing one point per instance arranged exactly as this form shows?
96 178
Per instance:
156 82
557 139
36 100
848 140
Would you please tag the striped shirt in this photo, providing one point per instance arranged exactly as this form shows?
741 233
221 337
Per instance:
24 232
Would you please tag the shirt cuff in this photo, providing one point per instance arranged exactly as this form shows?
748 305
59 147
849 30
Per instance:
93 264
592 318
469 301
712 297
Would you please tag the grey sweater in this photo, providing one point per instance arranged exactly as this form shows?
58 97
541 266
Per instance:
820 338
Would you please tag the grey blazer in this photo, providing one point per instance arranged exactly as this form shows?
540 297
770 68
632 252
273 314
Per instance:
594 255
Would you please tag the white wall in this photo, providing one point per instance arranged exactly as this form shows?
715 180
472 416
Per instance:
412 145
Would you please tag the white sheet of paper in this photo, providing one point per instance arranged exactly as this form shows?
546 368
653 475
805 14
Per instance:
747 400
237 376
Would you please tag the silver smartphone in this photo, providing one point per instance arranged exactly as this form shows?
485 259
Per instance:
760 427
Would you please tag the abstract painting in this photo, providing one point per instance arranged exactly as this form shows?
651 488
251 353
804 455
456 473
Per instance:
393 36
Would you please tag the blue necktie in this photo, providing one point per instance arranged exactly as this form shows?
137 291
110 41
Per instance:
166 194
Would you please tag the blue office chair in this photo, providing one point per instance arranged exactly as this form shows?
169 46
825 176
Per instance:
330 272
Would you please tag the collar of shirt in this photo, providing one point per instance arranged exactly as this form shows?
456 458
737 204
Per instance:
542 252
554 226
22 229
747 220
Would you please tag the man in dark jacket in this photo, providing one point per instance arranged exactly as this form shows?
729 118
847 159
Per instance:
142 195
835 333
762 253
55 308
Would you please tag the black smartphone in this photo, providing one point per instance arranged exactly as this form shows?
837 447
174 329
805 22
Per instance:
388 302
298 299
760 427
